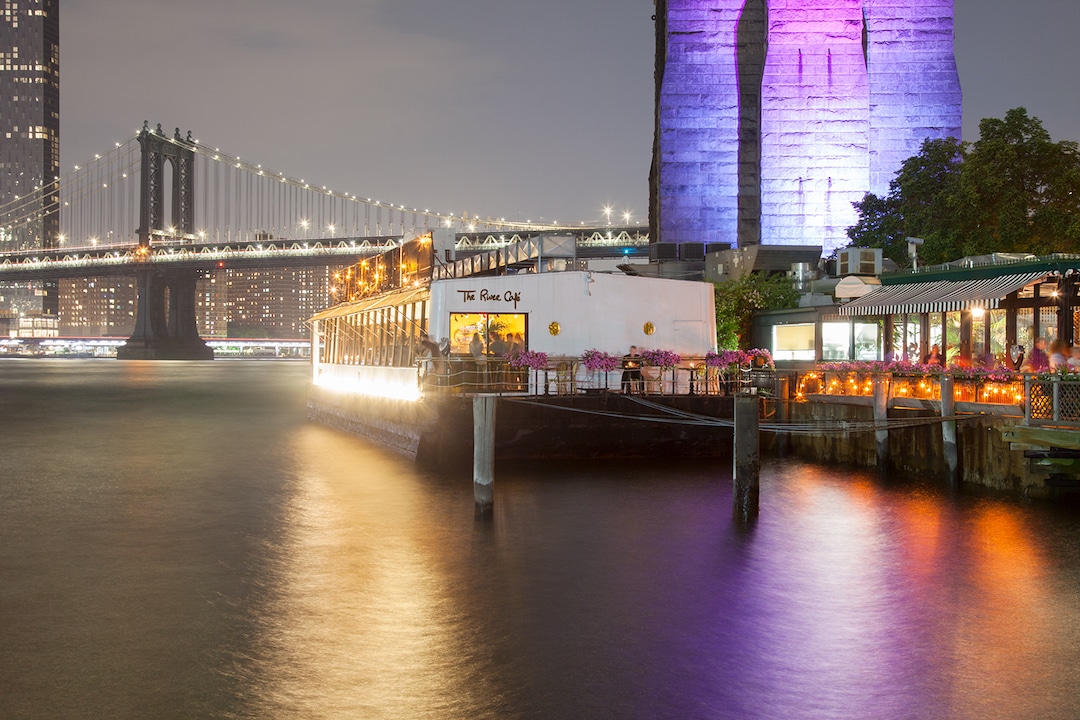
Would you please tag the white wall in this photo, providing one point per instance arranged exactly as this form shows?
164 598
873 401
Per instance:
594 310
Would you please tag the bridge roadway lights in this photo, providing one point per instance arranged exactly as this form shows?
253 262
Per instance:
165 324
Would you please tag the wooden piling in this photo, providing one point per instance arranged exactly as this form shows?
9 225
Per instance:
948 430
483 452
747 460
881 417
781 444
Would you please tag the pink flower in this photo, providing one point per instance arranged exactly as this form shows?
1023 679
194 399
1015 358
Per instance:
535 360
599 360
661 358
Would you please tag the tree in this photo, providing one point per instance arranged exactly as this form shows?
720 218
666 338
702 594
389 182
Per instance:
919 204
1012 190
1019 189
736 301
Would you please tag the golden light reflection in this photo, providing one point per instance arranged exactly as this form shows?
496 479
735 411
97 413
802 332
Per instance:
1001 631
363 622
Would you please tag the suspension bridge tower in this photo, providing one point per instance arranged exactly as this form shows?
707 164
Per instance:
165 318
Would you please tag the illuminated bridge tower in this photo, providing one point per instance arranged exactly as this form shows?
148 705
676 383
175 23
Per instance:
914 85
773 117
815 122
166 326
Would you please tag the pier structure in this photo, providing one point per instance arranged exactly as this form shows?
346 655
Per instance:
1014 432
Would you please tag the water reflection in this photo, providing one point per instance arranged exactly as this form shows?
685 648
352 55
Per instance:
362 621
189 546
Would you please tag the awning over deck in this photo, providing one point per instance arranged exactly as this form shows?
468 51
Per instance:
939 296
388 299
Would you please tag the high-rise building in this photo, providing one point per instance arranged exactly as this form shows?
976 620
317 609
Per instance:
29 140
265 303
97 306
772 118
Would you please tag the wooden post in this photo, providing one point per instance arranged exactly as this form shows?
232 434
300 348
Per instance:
747 459
948 429
483 452
881 417
783 413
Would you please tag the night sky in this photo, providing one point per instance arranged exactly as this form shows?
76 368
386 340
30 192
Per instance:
524 110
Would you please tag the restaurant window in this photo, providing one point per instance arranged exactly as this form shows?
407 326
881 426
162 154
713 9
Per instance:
934 334
835 341
979 319
951 348
490 327
1048 317
793 342
1025 328
998 346
867 341
905 340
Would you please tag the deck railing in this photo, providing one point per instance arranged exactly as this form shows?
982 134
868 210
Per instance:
1043 399
567 376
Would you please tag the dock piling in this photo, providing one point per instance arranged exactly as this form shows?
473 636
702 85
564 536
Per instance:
483 452
948 429
747 459
881 417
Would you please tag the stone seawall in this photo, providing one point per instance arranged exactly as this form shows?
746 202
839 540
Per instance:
986 458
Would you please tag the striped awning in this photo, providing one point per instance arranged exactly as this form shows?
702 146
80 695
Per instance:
939 295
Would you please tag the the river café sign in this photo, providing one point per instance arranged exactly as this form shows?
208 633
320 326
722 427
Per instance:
490 296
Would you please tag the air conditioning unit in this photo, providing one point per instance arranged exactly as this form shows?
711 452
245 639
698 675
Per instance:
663 251
858 261
691 251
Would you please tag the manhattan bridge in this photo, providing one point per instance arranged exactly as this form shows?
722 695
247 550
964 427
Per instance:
167 210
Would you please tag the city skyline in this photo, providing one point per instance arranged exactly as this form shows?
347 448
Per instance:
450 110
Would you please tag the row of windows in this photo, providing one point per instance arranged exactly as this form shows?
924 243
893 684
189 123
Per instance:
36 67
32 135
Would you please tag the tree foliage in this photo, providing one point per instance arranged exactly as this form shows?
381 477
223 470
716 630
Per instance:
736 301
1012 190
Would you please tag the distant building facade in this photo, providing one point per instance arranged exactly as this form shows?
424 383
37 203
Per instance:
263 303
274 303
29 138
773 118
97 307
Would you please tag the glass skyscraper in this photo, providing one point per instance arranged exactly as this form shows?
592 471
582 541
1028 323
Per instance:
29 140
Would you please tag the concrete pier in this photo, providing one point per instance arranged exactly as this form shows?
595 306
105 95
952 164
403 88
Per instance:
746 460
484 452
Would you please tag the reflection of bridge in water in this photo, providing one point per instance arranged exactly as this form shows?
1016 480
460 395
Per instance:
196 209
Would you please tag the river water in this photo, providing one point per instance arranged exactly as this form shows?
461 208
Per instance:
177 541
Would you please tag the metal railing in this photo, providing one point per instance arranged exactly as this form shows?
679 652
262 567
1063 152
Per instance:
568 377
1044 399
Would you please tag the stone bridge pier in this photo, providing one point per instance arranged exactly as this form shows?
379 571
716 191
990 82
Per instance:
165 320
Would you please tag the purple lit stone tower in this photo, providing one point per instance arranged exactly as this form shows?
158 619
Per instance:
773 117
914 87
